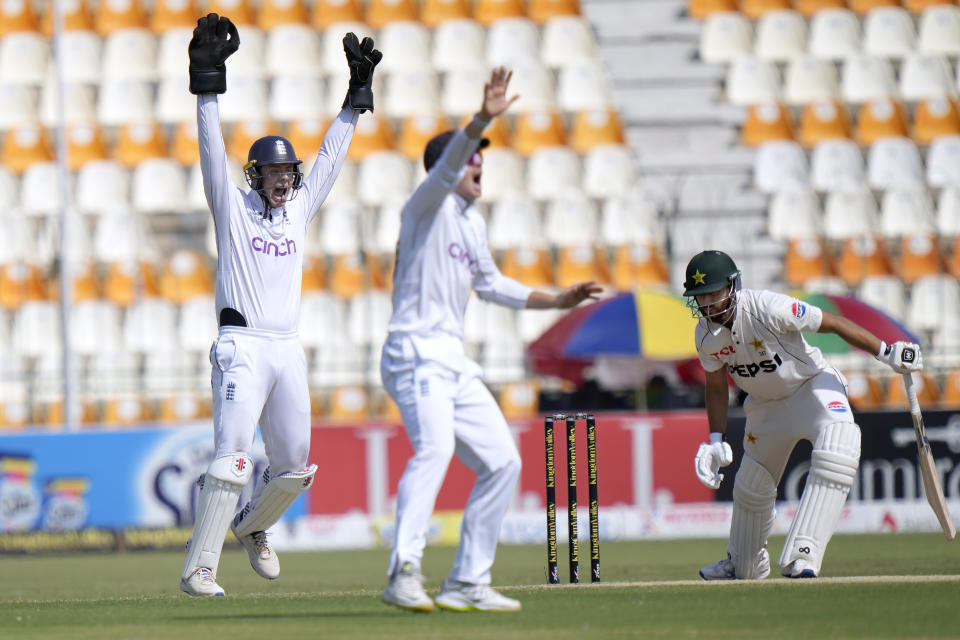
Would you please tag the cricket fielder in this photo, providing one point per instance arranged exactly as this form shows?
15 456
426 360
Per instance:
259 372
442 255
793 394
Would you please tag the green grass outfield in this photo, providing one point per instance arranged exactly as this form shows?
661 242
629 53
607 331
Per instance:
881 586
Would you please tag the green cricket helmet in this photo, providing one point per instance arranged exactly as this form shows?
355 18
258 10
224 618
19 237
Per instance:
707 272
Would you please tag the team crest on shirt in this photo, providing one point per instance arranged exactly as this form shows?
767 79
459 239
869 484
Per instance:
799 309
836 406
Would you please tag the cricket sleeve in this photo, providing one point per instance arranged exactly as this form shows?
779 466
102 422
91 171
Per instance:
709 361
786 314
217 186
489 283
444 175
329 161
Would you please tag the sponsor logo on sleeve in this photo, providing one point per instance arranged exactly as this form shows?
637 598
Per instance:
799 309
837 406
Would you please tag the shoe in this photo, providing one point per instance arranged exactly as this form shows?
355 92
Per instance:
405 590
799 568
465 596
262 558
724 570
201 583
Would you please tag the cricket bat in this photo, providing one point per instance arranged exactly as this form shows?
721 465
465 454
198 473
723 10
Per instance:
928 469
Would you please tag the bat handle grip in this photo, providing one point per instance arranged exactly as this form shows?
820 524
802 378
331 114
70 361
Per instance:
911 393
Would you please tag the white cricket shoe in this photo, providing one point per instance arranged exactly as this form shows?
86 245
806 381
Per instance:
405 590
799 568
262 558
724 570
201 583
465 596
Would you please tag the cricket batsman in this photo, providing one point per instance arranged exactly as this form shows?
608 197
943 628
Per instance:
259 371
442 255
793 394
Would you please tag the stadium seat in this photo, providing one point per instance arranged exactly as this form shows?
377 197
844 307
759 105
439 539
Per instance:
594 128
487 12
94 326
726 35
550 170
20 106
434 13
185 274
940 30
123 101
36 329
538 129
373 135
383 175
348 403
822 121
17 17
306 136
10 194
806 259
129 281
292 50
159 185
497 132
751 80
893 163
864 7
919 256
641 264
327 13
918 6
503 360
809 8
542 11
794 213
460 90
863 256
933 299
534 84
101 183
608 171
184 148
928 394
503 174
380 13
943 162
778 165
570 220
246 100
85 143
138 142
521 399
416 131
834 34
885 292
701 9
81 58
173 14
583 85
864 390
781 35
175 104
322 319
244 134
339 230
934 118
835 163
950 396
79 104
905 211
566 39
514 222
849 211
458 44
948 212
197 326
888 32
331 44
75 15
810 79
410 93
241 12
756 9
883 118
866 78
767 122
511 41
40 189
409 46
925 76
20 283
24 58
629 219
280 13
172 56
367 317
345 187
149 326
118 15
580 264
120 236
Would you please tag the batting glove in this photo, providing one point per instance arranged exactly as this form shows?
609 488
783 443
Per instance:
710 457
901 356
362 59
208 50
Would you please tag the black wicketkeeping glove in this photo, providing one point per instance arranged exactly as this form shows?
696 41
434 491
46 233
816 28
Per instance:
362 59
208 50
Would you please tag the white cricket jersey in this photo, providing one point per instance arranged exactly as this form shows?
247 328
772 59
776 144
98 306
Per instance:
442 254
260 257
765 351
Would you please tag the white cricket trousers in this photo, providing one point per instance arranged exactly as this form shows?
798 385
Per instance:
261 378
445 412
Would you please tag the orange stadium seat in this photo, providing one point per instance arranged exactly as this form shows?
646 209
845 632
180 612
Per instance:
950 396
328 12
863 7
754 9
173 14
864 390
49 412
21 282
863 256
579 264
928 393
25 145
183 406
76 17
806 259
881 118
380 268
532 267
85 143
416 131
486 12
381 12
184 147
935 117
823 121
86 284
767 122
17 16
519 399
433 12
306 135
13 414
953 258
498 133
127 282
125 410
140 141
274 13
185 275
700 9
594 128
807 8
349 402
919 256
537 129
241 12
348 275
384 408
314 273
917 6
373 133
638 265
113 15
542 10
244 134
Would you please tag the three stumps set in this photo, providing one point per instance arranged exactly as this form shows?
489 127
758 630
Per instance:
571 420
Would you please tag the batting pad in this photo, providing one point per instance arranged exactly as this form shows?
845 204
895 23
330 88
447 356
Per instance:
278 494
833 465
220 489
754 496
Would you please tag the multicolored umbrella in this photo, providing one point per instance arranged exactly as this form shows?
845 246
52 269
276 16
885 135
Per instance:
652 325
870 318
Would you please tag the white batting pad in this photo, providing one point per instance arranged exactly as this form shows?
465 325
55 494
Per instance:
833 465
275 497
754 496
220 489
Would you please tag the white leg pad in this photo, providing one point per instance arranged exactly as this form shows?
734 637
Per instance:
220 488
276 495
833 465
754 497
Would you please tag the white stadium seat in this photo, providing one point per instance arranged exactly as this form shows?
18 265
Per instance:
248 61
383 175
340 228
410 92
943 162
932 300
458 44
23 58
79 103
565 40
292 49
629 219
386 230
781 36
779 165
834 34
849 212
885 292
514 223
583 86
40 193
175 103
925 76
94 327
36 329
19 105
794 213
751 80
511 41
296 97
608 170
246 99
940 30
906 211
120 237
331 47
322 318
130 53
503 174
122 101
948 212
570 220
888 32
102 183
408 44
835 163
865 78
726 35
460 90
810 79
894 163
159 185
534 84
172 56
197 326
81 57
150 326
550 170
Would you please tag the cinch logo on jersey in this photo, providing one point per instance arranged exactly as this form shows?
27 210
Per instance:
460 254
284 248
799 309
751 370
836 406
